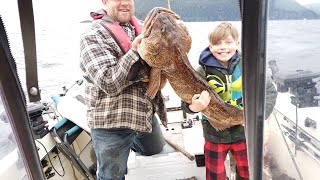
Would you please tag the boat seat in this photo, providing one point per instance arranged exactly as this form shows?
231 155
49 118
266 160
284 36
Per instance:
74 109
64 133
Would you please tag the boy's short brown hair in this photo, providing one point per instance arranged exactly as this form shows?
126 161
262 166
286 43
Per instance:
222 31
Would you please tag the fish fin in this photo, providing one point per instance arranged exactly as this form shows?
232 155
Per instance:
154 82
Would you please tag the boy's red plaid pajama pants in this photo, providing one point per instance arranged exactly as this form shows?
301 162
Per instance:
215 155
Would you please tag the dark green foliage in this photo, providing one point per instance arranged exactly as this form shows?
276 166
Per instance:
194 10
222 10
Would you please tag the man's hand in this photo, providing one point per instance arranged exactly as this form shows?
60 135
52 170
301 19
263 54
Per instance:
136 42
200 101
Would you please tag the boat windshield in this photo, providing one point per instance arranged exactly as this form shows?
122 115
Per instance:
292 133
11 163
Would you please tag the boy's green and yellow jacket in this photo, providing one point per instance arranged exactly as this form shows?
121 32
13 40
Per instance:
227 82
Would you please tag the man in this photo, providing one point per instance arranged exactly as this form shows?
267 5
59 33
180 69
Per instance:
120 115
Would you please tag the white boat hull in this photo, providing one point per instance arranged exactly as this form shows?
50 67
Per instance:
303 160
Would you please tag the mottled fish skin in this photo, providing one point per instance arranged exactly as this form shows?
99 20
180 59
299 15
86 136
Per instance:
164 48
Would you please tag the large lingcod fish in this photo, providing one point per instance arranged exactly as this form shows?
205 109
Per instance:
164 47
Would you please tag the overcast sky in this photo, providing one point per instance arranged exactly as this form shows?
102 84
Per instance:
308 1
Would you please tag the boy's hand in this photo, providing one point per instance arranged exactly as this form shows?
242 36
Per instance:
200 101
136 42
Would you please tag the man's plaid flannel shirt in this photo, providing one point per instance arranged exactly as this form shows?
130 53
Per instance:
112 100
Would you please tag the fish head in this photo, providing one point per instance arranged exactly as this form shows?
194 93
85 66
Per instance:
164 37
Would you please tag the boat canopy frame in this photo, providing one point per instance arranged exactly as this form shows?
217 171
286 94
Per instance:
254 35
254 26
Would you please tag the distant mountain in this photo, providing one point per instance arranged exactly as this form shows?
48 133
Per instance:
194 10
289 9
223 10
314 7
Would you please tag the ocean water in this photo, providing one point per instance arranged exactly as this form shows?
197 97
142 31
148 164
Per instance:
293 44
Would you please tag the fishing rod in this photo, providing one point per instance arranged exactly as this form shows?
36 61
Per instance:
288 148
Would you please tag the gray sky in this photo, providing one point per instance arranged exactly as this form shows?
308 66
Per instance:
308 1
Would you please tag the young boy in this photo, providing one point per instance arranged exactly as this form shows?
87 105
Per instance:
221 67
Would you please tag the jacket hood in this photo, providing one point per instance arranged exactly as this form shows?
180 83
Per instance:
207 59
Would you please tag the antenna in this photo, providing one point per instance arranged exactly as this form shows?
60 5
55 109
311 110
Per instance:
65 90
169 5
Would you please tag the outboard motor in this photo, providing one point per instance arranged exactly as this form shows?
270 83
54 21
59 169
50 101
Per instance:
38 125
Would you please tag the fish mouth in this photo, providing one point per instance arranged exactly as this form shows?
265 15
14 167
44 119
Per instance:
140 53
